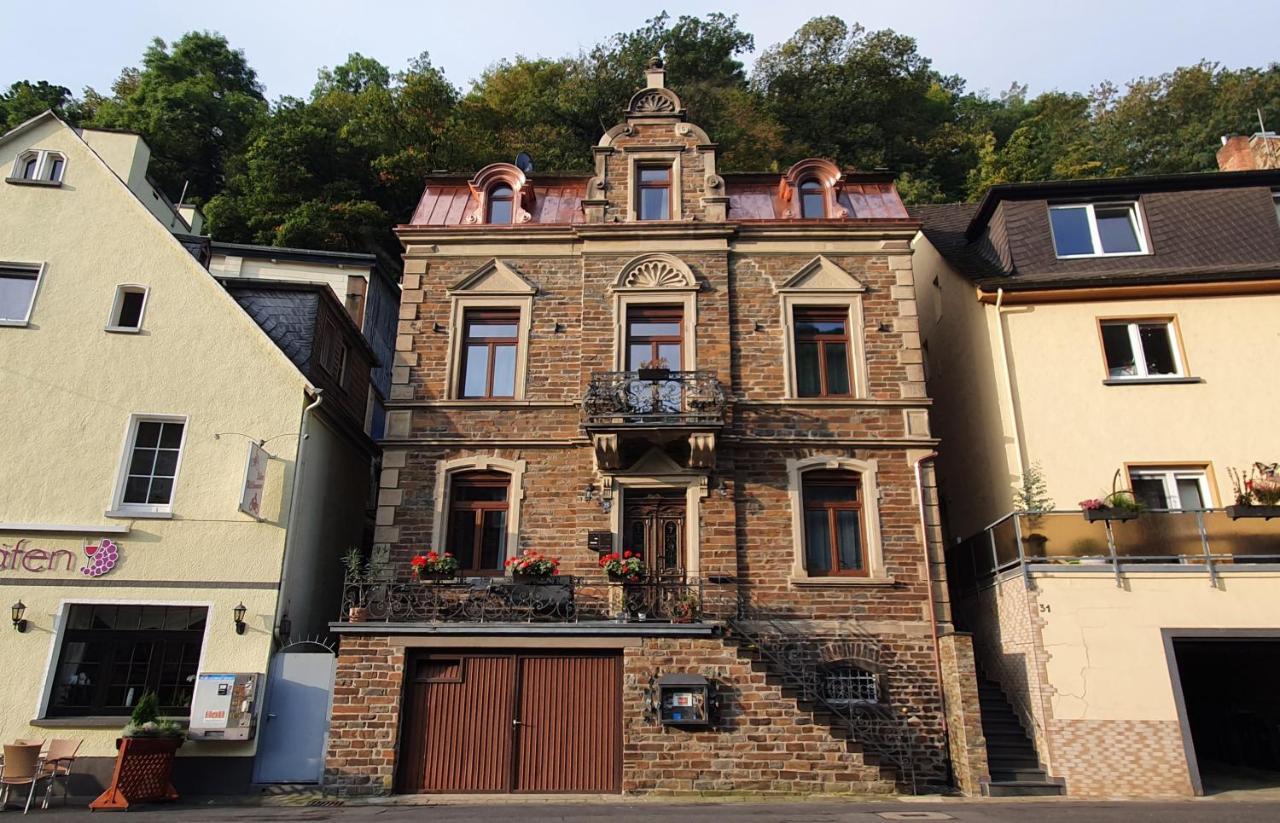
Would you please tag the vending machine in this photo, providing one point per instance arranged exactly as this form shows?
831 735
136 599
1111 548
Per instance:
225 706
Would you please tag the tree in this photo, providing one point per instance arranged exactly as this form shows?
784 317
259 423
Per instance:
25 100
195 104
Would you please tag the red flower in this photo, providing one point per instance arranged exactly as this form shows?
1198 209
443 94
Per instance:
627 553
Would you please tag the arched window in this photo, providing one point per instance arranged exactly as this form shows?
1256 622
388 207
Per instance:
501 204
833 529
847 683
53 164
28 166
39 166
477 527
813 200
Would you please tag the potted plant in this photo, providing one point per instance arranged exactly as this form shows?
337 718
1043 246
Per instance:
144 760
358 572
1119 505
626 567
685 607
533 567
434 566
1257 493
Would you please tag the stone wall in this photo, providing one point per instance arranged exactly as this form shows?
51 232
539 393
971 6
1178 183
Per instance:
364 726
965 740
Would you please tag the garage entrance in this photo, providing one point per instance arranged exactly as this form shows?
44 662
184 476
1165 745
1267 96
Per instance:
512 722
1229 691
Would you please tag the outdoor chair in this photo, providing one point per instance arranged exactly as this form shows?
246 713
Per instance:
22 767
57 766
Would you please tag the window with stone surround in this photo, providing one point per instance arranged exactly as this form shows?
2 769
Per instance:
490 315
822 351
653 192
489 348
813 200
833 540
38 166
500 205
478 512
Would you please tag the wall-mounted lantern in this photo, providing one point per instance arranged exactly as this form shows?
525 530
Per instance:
239 612
16 611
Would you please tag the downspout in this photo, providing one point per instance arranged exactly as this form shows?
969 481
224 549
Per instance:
1008 383
292 519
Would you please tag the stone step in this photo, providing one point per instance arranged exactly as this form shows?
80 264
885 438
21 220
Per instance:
1036 775
1023 788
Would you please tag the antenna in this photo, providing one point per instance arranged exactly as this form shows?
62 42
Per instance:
524 162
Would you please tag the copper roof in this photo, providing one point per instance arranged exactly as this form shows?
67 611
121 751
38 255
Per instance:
448 203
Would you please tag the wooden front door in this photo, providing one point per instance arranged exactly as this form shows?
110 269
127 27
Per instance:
512 722
654 525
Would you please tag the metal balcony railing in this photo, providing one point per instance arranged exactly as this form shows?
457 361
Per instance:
1152 541
562 599
654 397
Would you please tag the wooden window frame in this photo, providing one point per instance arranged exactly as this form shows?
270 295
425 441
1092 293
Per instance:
490 198
655 312
835 478
822 193
642 186
477 510
504 316
832 313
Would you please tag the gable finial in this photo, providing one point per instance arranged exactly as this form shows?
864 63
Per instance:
655 75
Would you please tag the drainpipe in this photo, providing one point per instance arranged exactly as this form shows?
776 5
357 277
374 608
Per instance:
1008 383
298 463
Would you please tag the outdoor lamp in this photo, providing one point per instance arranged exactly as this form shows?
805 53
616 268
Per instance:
286 627
15 612
239 615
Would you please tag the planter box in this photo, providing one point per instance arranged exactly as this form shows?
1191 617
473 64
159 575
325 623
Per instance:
142 773
653 374
1093 515
533 579
434 577
1265 512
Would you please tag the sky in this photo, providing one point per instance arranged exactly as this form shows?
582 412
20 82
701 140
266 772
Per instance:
1069 46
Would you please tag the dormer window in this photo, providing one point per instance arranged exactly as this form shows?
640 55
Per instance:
500 205
813 200
653 199
1097 230
38 167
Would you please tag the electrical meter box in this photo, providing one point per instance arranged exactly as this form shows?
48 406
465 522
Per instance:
684 700
225 706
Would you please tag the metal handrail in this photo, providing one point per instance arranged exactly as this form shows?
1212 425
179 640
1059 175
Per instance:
654 397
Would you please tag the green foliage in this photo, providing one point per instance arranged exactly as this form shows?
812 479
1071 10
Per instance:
1032 495
147 710
195 103
25 100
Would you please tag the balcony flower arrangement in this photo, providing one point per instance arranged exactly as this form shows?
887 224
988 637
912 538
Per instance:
533 567
1257 491
1119 505
434 566
626 567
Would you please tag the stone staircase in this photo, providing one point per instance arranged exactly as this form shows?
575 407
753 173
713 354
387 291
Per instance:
896 769
1011 753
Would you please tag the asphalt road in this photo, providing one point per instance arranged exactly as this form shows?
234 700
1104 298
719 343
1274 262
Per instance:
997 811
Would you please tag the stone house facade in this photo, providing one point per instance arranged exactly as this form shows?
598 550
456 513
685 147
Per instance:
718 373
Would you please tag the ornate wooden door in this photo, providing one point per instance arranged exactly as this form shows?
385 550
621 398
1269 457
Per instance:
654 526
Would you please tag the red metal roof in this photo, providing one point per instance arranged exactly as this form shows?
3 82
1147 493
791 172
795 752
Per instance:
752 200
447 204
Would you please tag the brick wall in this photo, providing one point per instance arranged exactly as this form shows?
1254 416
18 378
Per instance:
365 723
1121 758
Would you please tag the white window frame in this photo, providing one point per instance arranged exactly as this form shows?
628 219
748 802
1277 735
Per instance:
1139 355
1135 218
112 320
38 268
42 157
146 510
1170 478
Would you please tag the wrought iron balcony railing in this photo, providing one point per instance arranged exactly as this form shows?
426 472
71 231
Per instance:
654 397
558 600
1066 540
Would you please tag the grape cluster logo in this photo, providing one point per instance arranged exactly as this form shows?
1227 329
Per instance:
102 558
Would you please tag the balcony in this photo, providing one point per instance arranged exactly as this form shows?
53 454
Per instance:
559 600
1064 541
658 405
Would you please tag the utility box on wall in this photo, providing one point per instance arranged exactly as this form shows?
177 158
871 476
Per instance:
225 706
684 700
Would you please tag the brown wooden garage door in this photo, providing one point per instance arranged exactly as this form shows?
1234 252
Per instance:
512 722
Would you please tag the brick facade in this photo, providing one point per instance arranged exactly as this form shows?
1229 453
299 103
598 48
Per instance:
743 520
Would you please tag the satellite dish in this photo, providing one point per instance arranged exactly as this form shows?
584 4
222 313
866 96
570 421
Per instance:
524 162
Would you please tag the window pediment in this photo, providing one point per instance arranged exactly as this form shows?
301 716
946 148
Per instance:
822 275
656 272
812 170
495 277
495 176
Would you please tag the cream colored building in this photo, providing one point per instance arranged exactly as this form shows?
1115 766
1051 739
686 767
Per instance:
1116 334
134 384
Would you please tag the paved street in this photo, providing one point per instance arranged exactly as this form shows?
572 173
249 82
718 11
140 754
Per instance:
1211 811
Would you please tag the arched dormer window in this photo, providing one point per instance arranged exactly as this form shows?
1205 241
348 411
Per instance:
499 205
813 200
39 167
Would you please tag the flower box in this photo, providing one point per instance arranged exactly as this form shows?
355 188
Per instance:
1110 513
1265 512
653 374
